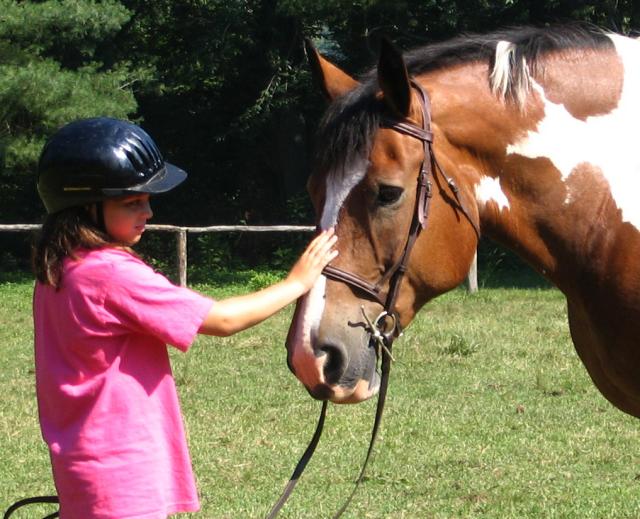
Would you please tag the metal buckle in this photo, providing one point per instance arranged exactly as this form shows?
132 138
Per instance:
380 333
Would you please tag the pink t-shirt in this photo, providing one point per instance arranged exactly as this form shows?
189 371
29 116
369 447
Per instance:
107 400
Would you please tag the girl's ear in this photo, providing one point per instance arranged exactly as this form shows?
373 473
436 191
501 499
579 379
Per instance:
332 80
393 79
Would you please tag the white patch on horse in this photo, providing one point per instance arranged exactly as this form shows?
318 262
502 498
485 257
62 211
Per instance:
489 190
305 327
337 192
308 366
607 142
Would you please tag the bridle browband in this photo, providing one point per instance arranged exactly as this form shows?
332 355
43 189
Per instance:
381 333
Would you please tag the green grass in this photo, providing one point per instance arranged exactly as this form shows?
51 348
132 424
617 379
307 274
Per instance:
490 415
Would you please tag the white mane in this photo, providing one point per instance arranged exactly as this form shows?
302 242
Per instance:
510 77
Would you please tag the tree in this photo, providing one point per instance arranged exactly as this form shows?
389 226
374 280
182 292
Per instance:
228 77
222 85
52 71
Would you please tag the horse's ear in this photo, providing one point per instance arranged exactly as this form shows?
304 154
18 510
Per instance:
332 81
394 78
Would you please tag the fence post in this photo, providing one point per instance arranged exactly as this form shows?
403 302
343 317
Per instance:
472 276
182 256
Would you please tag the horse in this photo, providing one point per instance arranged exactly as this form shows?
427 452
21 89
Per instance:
532 145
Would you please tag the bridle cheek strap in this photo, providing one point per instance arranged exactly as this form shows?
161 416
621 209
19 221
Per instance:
394 275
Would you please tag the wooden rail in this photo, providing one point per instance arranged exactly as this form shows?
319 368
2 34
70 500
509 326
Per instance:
181 241
181 236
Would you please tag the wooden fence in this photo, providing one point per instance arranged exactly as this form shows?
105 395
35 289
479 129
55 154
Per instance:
181 241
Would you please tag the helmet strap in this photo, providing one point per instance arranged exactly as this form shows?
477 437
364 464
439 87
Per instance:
100 217
96 212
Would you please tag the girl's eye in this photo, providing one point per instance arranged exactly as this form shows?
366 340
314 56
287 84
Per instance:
388 195
134 205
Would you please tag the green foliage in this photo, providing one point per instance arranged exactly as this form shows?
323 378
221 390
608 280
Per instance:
459 345
263 279
215 254
223 86
210 254
52 71
62 26
41 96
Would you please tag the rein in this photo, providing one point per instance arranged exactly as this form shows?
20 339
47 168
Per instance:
380 331
31 501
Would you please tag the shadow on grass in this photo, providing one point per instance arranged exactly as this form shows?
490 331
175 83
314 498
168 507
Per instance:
16 276
524 277
488 277
498 267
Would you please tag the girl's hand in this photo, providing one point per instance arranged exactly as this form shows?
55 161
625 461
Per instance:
319 254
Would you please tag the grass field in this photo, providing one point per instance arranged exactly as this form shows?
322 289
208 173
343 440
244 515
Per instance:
490 415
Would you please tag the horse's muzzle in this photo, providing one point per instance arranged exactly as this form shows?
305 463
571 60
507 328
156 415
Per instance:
345 384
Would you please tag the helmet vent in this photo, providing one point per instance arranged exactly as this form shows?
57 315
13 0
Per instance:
89 160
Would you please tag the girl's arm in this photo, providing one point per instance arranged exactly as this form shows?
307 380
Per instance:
232 315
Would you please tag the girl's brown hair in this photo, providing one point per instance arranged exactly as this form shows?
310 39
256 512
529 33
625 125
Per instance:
62 234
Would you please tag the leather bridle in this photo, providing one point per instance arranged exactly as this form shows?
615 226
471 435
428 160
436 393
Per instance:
383 332
395 274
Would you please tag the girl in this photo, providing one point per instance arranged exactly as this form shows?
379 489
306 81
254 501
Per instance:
107 401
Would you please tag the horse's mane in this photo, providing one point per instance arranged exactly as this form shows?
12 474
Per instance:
513 55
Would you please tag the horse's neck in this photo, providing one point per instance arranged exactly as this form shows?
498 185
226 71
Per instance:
566 190
558 181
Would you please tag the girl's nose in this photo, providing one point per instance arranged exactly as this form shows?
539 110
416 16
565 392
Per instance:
148 212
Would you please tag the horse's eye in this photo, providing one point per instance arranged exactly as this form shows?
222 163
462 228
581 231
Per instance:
388 195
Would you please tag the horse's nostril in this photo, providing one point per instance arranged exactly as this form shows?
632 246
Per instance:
321 392
335 363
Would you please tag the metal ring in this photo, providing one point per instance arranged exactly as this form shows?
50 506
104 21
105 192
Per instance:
382 317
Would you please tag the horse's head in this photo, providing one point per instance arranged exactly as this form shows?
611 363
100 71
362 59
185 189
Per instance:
365 184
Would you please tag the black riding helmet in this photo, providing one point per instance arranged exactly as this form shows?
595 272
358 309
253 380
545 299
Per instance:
89 160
